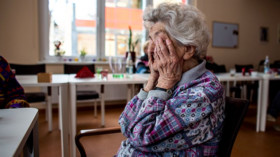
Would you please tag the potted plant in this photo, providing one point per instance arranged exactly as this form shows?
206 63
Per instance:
83 54
58 51
131 45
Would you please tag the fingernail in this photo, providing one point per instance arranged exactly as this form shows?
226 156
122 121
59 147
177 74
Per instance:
168 41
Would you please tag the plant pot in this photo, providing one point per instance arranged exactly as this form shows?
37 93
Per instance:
59 58
133 56
82 58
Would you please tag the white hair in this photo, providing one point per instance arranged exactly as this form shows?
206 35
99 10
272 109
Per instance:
184 23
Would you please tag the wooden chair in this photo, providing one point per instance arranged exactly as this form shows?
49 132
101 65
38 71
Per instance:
36 97
83 95
235 112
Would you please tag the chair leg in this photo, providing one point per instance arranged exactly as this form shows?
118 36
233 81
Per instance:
244 91
49 106
95 109
251 95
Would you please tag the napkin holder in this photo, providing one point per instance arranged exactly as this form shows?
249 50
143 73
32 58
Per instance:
44 77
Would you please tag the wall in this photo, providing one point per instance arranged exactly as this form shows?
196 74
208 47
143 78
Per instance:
19 29
250 15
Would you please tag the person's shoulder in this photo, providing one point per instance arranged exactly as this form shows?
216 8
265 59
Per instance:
4 68
212 86
3 60
207 84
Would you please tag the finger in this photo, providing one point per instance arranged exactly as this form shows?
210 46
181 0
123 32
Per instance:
170 47
163 48
150 52
156 53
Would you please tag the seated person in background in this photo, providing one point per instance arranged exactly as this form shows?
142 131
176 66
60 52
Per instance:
273 110
180 111
11 93
142 65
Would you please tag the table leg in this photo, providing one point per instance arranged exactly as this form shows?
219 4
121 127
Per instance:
227 90
264 103
73 119
102 106
49 110
59 115
129 90
64 132
132 91
259 105
35 134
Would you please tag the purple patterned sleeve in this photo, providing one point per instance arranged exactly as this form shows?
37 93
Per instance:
130 112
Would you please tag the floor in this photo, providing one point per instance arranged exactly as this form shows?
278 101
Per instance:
248 142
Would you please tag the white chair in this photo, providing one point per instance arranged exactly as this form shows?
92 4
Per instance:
83 95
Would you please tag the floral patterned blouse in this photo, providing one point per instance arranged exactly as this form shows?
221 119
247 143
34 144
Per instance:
11 92
186 123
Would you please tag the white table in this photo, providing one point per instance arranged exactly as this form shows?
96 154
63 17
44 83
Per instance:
74 82
225 77
17 127
60 81
265 96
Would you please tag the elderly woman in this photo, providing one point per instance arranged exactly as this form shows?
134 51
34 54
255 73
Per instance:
180 111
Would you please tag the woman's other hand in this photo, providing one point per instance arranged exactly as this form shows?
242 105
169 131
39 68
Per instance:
169 64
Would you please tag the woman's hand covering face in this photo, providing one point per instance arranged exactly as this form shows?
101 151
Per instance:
164 62
167 62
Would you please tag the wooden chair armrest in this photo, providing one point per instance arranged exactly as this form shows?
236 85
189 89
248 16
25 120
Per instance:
93 132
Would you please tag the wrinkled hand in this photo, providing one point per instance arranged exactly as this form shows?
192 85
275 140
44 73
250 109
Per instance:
169 64
153 78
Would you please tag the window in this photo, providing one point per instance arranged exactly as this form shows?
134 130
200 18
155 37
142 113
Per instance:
74 24
157 2
119 15
98 27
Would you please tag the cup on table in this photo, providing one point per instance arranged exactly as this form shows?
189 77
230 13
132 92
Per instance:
250 71
104 74
254 73
232 72
98 72
243 71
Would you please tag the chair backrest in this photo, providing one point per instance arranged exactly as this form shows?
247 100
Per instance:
261 66
238 68
235 112
276 64
221 69
74 68
28 69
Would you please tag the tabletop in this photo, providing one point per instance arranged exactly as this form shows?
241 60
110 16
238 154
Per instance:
31 80
15 127
237 77
134 79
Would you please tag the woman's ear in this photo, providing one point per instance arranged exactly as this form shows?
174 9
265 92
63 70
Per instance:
188 52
